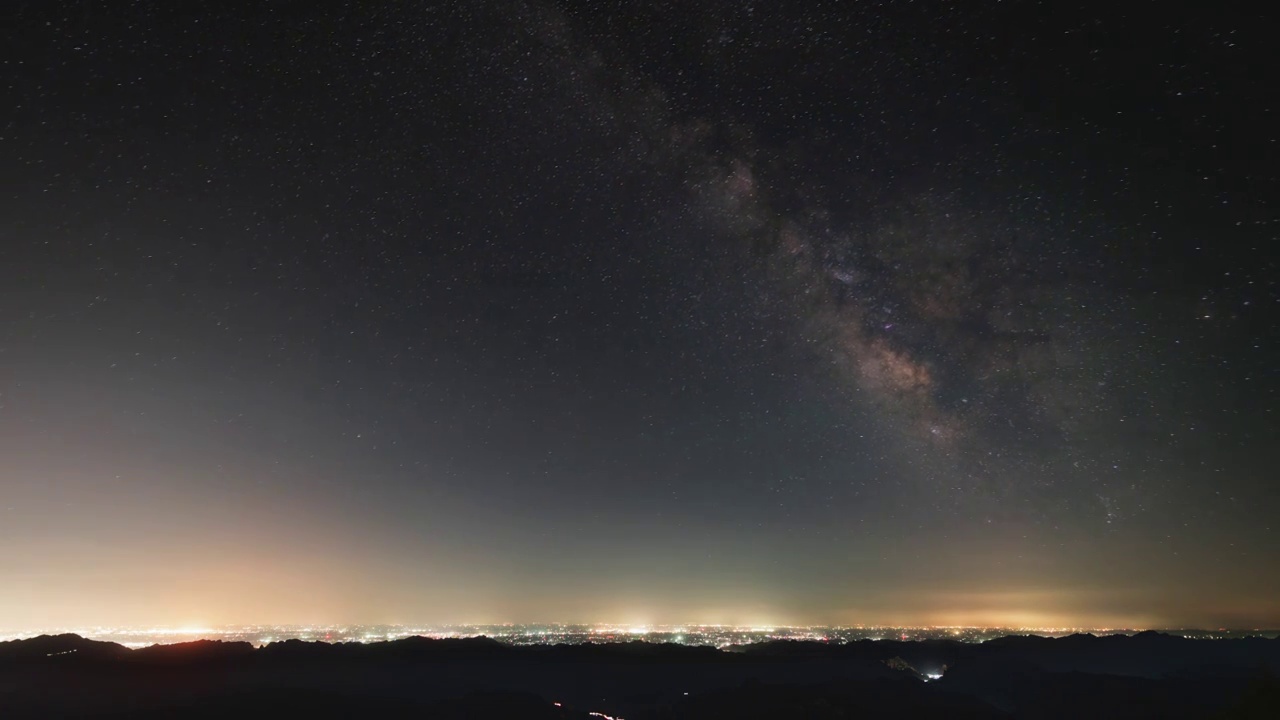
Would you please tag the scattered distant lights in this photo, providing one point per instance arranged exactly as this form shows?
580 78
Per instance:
725 637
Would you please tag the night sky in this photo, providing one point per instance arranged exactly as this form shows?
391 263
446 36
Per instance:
752 312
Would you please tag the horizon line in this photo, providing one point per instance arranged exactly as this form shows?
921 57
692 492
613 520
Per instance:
630 628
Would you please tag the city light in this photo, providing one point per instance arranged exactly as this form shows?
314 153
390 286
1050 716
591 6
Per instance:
725 637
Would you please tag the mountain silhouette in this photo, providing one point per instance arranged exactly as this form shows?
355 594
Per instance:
1149 675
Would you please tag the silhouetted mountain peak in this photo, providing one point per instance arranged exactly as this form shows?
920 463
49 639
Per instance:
63 645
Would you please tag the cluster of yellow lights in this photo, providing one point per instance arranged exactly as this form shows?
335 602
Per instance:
359 633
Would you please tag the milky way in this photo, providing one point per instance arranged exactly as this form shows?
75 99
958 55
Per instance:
957 317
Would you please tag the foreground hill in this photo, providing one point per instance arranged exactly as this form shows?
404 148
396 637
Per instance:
1149 675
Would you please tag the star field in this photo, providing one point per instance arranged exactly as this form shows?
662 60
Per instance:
579 312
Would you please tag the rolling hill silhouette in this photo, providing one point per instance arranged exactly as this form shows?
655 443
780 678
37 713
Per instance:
1149 675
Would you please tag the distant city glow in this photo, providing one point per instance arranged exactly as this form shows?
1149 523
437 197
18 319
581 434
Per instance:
725 637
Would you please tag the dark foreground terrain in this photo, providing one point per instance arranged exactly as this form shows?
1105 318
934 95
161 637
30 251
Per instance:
1145 676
